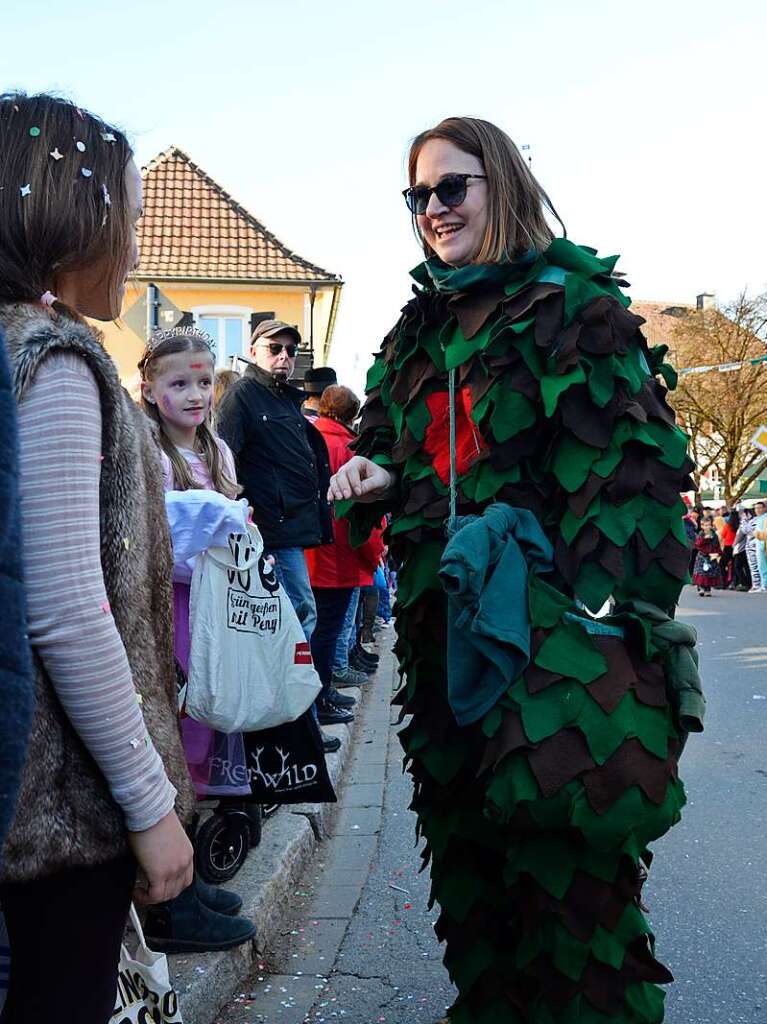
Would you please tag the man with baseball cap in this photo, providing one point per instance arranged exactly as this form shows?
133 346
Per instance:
316 381
282 464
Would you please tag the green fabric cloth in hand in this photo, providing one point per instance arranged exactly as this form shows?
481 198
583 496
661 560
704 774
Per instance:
484 571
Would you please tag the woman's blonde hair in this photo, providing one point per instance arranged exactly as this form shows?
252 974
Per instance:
166 343
222 381
516 201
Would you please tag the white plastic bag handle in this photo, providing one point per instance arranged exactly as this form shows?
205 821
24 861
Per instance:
134 919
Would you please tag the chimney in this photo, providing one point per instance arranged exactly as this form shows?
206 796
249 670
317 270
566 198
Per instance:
705 301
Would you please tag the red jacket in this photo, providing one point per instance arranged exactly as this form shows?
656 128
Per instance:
339 564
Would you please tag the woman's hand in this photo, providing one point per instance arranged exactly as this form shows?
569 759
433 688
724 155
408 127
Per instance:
360 479
165 857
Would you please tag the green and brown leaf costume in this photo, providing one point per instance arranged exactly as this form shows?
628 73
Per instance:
537 818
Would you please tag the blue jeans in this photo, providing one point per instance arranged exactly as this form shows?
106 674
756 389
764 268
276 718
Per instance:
348 635
761 561
292 573
384 601
332 603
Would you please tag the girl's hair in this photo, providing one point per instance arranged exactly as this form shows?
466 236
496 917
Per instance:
339 403
167 343
63 204
516 201
222 382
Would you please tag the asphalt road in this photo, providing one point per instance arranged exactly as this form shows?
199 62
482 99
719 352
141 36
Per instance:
371 957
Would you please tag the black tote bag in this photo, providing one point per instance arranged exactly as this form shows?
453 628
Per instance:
286 764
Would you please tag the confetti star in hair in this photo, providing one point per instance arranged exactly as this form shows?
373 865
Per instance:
56 155
25 190
107 197
108 137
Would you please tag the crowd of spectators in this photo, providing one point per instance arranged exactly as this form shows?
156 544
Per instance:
287 442
727 548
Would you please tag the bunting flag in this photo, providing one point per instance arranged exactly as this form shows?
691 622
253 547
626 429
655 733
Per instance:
536 819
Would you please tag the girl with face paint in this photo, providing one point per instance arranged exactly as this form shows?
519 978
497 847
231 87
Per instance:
177 382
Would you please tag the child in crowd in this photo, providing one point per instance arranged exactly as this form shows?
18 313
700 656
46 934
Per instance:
177 380
707 572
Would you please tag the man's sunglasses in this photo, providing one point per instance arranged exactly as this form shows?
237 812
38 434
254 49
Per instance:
451 191
275 347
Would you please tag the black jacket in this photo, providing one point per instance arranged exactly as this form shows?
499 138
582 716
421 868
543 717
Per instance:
282 462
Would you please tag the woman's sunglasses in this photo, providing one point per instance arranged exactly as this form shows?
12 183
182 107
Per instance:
451 191
275 347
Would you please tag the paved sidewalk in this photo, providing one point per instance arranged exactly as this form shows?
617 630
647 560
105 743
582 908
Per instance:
293 839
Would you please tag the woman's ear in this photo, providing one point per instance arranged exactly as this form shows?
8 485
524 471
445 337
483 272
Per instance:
146 392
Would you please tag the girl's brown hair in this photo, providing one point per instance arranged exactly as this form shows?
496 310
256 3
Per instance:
167 343
339 403
516 200
63 204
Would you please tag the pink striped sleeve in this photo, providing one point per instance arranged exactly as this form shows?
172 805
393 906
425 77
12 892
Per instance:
69 621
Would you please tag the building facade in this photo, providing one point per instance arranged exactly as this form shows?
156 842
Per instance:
206 260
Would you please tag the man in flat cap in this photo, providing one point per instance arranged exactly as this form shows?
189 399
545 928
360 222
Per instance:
315 382
282 464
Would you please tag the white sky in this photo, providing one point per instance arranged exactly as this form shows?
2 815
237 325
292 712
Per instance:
645 121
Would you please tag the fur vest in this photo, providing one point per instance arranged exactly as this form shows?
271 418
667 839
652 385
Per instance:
65 816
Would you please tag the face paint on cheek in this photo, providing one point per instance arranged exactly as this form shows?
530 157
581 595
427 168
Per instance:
166 403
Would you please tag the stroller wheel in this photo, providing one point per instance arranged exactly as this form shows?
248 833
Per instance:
221 845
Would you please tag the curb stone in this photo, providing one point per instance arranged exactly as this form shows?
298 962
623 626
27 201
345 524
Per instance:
205 982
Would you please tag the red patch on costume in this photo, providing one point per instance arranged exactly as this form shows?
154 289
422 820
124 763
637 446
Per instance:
436 442
303 654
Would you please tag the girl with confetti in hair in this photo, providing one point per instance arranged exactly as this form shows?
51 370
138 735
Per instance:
105 783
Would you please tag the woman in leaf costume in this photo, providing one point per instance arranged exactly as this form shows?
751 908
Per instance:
537 809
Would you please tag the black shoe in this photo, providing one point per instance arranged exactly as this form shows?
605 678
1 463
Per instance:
330 714
330 744
186 925
341 700
363 655
362 666
360 652
220 900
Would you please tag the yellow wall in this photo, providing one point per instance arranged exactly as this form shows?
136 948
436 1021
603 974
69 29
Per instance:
288 303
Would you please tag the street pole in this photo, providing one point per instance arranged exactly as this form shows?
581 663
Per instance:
152 305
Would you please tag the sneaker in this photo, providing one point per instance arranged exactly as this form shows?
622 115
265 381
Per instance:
330 744
349 677
331 714
341 700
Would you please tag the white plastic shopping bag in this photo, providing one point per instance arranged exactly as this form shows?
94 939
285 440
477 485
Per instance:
144 992
250 667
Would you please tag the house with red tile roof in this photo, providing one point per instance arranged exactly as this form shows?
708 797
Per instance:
207 260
